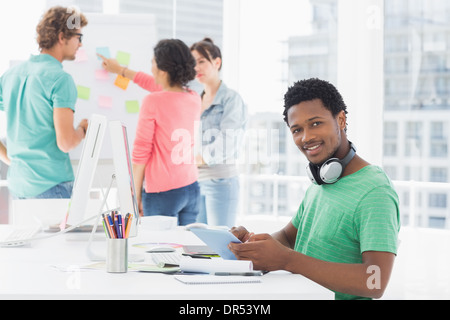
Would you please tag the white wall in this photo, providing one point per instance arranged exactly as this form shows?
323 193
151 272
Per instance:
18 20
360 73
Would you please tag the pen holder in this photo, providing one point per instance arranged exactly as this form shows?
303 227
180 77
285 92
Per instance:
117 255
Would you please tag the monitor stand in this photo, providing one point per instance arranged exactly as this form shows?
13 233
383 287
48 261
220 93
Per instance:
102 257
92 255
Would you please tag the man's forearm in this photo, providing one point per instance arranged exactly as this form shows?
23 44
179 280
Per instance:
282 237
354 279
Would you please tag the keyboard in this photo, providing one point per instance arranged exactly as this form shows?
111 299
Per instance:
166 259
11 235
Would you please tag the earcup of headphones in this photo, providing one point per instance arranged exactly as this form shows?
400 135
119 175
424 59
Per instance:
330 171
313 174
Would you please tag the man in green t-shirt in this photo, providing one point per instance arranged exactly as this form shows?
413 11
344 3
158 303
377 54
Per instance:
344 235
39 98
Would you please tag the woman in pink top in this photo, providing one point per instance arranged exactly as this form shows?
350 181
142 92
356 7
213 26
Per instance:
163 147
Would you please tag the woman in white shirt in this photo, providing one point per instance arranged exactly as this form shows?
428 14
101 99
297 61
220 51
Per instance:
223 121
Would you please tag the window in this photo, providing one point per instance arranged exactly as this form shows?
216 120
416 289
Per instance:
84 5
188 20
438 200
438 174
413 141
416 76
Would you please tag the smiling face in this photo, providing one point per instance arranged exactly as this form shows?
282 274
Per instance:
316 132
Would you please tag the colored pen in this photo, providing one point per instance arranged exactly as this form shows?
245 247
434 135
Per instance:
111 224
127 231
248 273
105 227
197 256
116 226
127 217
120 226
108 226
124 224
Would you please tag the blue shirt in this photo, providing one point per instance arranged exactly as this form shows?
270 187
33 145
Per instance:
223 127
29 92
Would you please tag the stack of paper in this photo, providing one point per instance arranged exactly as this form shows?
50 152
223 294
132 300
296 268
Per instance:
215 265
206 279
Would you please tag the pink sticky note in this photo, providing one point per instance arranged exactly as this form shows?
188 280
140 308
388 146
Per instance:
81 55
105 102
101 74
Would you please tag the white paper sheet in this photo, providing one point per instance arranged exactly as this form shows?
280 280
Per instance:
215 265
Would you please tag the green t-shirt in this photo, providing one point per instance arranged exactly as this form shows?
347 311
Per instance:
338 222
29 92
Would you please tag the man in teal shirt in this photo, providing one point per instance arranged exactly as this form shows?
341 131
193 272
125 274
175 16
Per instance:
344 235
39 98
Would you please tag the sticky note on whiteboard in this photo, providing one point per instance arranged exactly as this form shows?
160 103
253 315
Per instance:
132 106
122 82
101 74
81 55
104 51
105 102
123 58
83 92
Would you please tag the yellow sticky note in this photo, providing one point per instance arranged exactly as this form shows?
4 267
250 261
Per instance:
83 92
123 58
122 82
132 106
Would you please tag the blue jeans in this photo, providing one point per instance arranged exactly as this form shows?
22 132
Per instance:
219 201
60 191
182 203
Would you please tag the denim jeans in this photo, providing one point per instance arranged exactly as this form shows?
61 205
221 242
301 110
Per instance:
219 199
182 203
60 191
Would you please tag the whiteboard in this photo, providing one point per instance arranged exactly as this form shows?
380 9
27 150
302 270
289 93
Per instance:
132 36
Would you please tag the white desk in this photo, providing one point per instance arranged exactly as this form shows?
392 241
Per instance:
27 273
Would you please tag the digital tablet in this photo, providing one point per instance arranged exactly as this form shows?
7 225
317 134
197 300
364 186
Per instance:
217 240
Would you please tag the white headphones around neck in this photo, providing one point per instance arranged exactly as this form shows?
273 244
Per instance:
331 170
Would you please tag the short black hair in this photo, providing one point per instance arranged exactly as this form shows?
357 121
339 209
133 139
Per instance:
174 57
312 89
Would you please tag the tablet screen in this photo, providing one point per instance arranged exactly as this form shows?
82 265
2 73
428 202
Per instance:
218 240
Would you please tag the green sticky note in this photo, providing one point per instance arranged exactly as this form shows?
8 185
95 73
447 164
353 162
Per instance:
132 106
123 58
83 92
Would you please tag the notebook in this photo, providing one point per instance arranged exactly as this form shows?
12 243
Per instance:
209 279
214 265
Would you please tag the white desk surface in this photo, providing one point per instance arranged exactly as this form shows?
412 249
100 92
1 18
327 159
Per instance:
30 273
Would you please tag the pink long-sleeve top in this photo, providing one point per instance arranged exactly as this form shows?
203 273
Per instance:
164 140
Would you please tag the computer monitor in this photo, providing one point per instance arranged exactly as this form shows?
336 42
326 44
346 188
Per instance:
86 169
124 173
